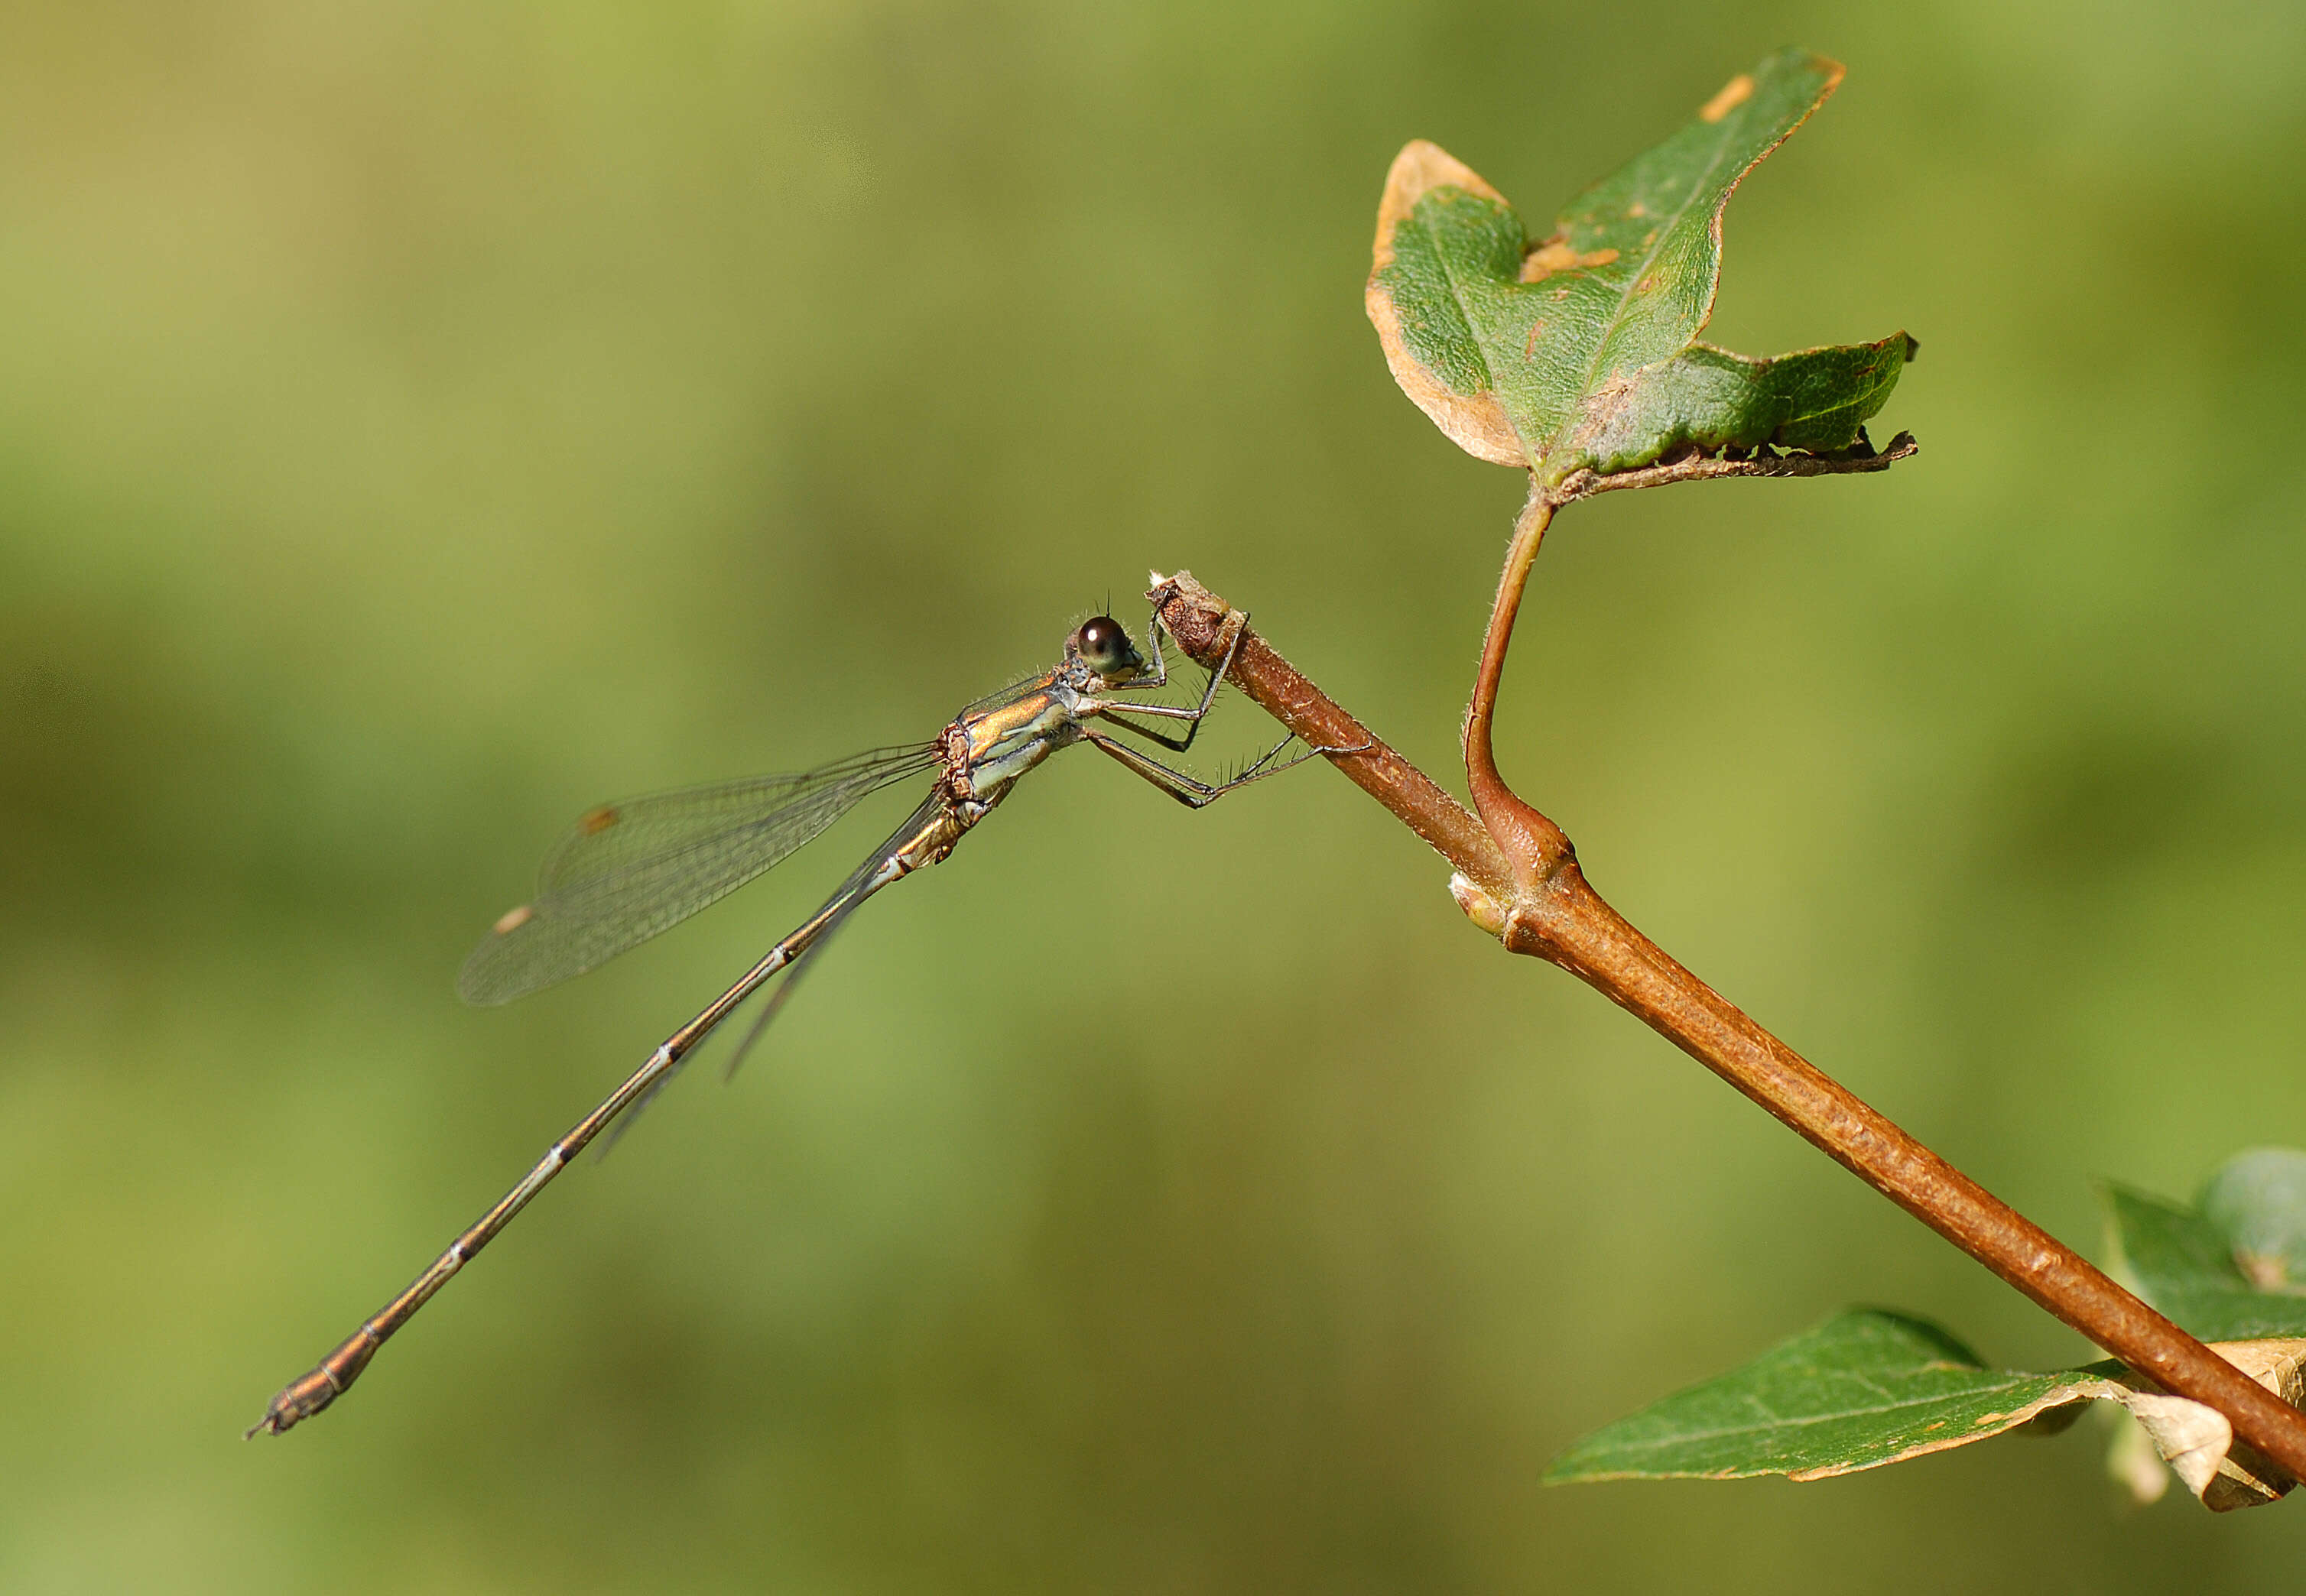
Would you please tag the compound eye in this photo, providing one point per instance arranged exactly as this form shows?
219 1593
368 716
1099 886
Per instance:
1103 643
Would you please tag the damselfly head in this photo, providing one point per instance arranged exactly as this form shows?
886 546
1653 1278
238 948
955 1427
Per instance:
1104 644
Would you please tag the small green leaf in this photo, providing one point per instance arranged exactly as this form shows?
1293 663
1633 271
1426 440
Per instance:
1865 1389
2258 1201
2235 1270
1580 351
1870 1388
1814 400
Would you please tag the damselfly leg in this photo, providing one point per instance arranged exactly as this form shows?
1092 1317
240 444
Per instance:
1188 790
1158 676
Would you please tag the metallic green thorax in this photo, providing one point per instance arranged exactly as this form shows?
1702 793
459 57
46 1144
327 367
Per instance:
990 747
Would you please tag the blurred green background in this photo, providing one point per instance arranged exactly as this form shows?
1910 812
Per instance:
419 422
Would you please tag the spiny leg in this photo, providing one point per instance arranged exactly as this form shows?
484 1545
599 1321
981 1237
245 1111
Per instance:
1158 676
1188 790
1239 624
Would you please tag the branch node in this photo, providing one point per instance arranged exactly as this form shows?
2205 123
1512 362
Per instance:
1484 910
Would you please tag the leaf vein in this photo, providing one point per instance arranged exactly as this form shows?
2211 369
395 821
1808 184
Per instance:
1626 298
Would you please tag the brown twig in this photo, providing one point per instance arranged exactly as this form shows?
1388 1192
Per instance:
1563 920
1202 623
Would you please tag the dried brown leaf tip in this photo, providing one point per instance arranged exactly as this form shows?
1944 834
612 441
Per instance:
2198 1443
1459 397
1420 168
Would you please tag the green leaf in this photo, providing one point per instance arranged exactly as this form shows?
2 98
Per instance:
2234 1269
2258 1201
1870 1388
1580 351
1865 1388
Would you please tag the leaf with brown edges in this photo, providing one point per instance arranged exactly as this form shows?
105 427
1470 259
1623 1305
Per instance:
1579 352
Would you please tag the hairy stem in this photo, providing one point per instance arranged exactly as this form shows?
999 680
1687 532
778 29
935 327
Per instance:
1563 920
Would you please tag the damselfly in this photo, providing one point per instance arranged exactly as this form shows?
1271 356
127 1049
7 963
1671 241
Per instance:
627 871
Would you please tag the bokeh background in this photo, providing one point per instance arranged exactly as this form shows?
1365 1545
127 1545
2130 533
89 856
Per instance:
419 422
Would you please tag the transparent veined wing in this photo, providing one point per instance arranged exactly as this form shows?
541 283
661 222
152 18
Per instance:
627 871
863 882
